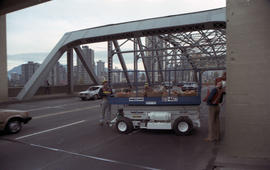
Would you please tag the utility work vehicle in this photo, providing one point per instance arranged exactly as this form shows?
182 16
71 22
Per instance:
152 97
157 110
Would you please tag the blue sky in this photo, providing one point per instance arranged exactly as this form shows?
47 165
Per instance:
37 29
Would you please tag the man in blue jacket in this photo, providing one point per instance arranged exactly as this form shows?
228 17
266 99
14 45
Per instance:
214 99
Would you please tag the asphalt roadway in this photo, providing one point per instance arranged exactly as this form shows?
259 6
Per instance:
64 134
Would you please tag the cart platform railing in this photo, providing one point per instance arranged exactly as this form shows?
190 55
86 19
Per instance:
156 101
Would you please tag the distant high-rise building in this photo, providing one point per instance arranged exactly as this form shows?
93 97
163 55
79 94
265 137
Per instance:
15 76
101 70
28 70
116 75
15 79
82 75
58 75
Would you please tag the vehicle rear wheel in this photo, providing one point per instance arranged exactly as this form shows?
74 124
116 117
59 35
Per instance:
182 126
14 126
124 125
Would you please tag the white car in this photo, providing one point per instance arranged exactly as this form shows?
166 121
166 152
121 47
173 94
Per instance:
91 93
190 86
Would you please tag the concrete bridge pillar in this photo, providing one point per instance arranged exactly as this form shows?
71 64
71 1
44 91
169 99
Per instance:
247 117
3 60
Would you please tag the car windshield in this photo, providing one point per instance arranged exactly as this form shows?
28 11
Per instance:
93 88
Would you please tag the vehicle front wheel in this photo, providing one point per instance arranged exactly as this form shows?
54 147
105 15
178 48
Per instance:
88 97
124 125
95 97
14 126
182 126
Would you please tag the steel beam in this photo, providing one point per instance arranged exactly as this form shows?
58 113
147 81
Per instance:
183 50
122 61
70 71
89 70
40 75
143 60
110 62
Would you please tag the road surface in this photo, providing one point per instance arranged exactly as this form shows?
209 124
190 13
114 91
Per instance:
64 134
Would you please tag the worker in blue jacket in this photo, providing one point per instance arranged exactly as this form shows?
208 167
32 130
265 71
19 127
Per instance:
213 100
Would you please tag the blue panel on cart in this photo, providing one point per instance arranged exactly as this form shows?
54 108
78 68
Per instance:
183 100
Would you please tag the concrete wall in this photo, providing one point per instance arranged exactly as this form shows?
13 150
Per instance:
3 60
247 122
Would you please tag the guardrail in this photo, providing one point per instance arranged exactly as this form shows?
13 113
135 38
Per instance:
14 91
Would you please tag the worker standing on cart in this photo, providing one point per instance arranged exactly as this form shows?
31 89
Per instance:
104 93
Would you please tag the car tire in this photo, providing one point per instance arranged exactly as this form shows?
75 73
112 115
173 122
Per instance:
82 98
14 126
124 125
182 126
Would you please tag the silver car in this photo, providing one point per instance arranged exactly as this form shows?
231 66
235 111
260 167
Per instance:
91 93
11 120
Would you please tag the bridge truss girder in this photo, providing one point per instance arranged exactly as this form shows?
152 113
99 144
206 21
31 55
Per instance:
191 51
193 42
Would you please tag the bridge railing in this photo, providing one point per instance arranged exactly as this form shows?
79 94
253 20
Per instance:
13 91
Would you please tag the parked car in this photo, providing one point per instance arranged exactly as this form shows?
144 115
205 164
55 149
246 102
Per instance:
190 86
91 93
11 120
168 84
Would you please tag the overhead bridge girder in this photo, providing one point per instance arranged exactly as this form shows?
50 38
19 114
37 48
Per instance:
169 25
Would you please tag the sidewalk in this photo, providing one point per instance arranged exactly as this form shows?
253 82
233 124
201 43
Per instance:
226 162
12 100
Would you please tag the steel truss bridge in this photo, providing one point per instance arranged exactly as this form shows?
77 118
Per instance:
171 45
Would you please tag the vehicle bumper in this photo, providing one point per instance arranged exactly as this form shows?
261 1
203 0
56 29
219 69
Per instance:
26 120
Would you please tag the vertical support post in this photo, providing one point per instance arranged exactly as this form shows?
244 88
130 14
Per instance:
3 60
160 72
110 62
135 65
195 75
70 71
175 67
200 82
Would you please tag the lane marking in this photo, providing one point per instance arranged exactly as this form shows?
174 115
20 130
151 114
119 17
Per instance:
95 157
49 130
50 107
63 112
